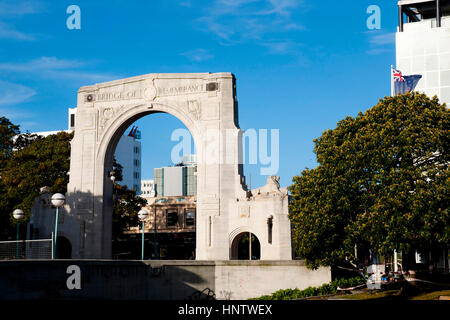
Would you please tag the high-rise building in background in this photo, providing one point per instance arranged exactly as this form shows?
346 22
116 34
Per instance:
128 155
423 45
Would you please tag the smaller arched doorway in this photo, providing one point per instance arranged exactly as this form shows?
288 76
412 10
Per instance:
245 246
63 248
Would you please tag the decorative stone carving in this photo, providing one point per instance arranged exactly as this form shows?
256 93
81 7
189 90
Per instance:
106 114
271 187
193 107
149 91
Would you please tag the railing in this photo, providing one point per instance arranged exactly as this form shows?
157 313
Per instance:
26 249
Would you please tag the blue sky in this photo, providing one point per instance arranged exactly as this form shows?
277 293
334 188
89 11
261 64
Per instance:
301 66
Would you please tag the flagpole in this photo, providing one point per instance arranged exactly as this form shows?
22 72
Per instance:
392 82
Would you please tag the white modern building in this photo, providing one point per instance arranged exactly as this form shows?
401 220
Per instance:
423 45
128 155
148 188
179 180
71 119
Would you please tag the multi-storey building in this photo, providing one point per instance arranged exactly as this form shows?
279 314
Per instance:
174 230
423 45
148 188
171 203
128 155
180 180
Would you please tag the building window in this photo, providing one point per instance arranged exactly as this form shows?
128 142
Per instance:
136 150
72 120
136 162
171 218
189 218
136 175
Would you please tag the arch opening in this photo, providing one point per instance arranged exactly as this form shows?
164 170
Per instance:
63 248
246 246
169 240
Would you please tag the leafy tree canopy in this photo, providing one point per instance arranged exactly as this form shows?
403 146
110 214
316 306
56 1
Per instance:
126 208
44 162
7 131
29 162
126 204
382 183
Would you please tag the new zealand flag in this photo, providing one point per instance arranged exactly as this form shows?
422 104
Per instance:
404 84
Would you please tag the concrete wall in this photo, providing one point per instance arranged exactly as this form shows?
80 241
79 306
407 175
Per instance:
160 280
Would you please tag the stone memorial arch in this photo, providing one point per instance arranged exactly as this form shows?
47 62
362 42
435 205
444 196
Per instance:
206 103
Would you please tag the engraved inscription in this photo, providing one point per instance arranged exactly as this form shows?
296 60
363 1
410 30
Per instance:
187 89
117 96
150 92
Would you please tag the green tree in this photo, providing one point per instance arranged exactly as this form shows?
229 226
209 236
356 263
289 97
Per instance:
126 208
118 170
126 204
7 131
382 183
30 162
44 162
24 140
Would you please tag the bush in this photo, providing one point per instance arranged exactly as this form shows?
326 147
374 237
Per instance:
325 289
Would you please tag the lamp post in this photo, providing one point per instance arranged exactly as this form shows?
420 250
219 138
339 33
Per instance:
142 215
58 200
113 179
18 214
155 244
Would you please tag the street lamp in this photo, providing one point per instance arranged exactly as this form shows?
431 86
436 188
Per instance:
142 215
57 201
18 214
113 180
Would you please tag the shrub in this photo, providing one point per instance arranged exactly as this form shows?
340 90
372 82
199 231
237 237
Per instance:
325 289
